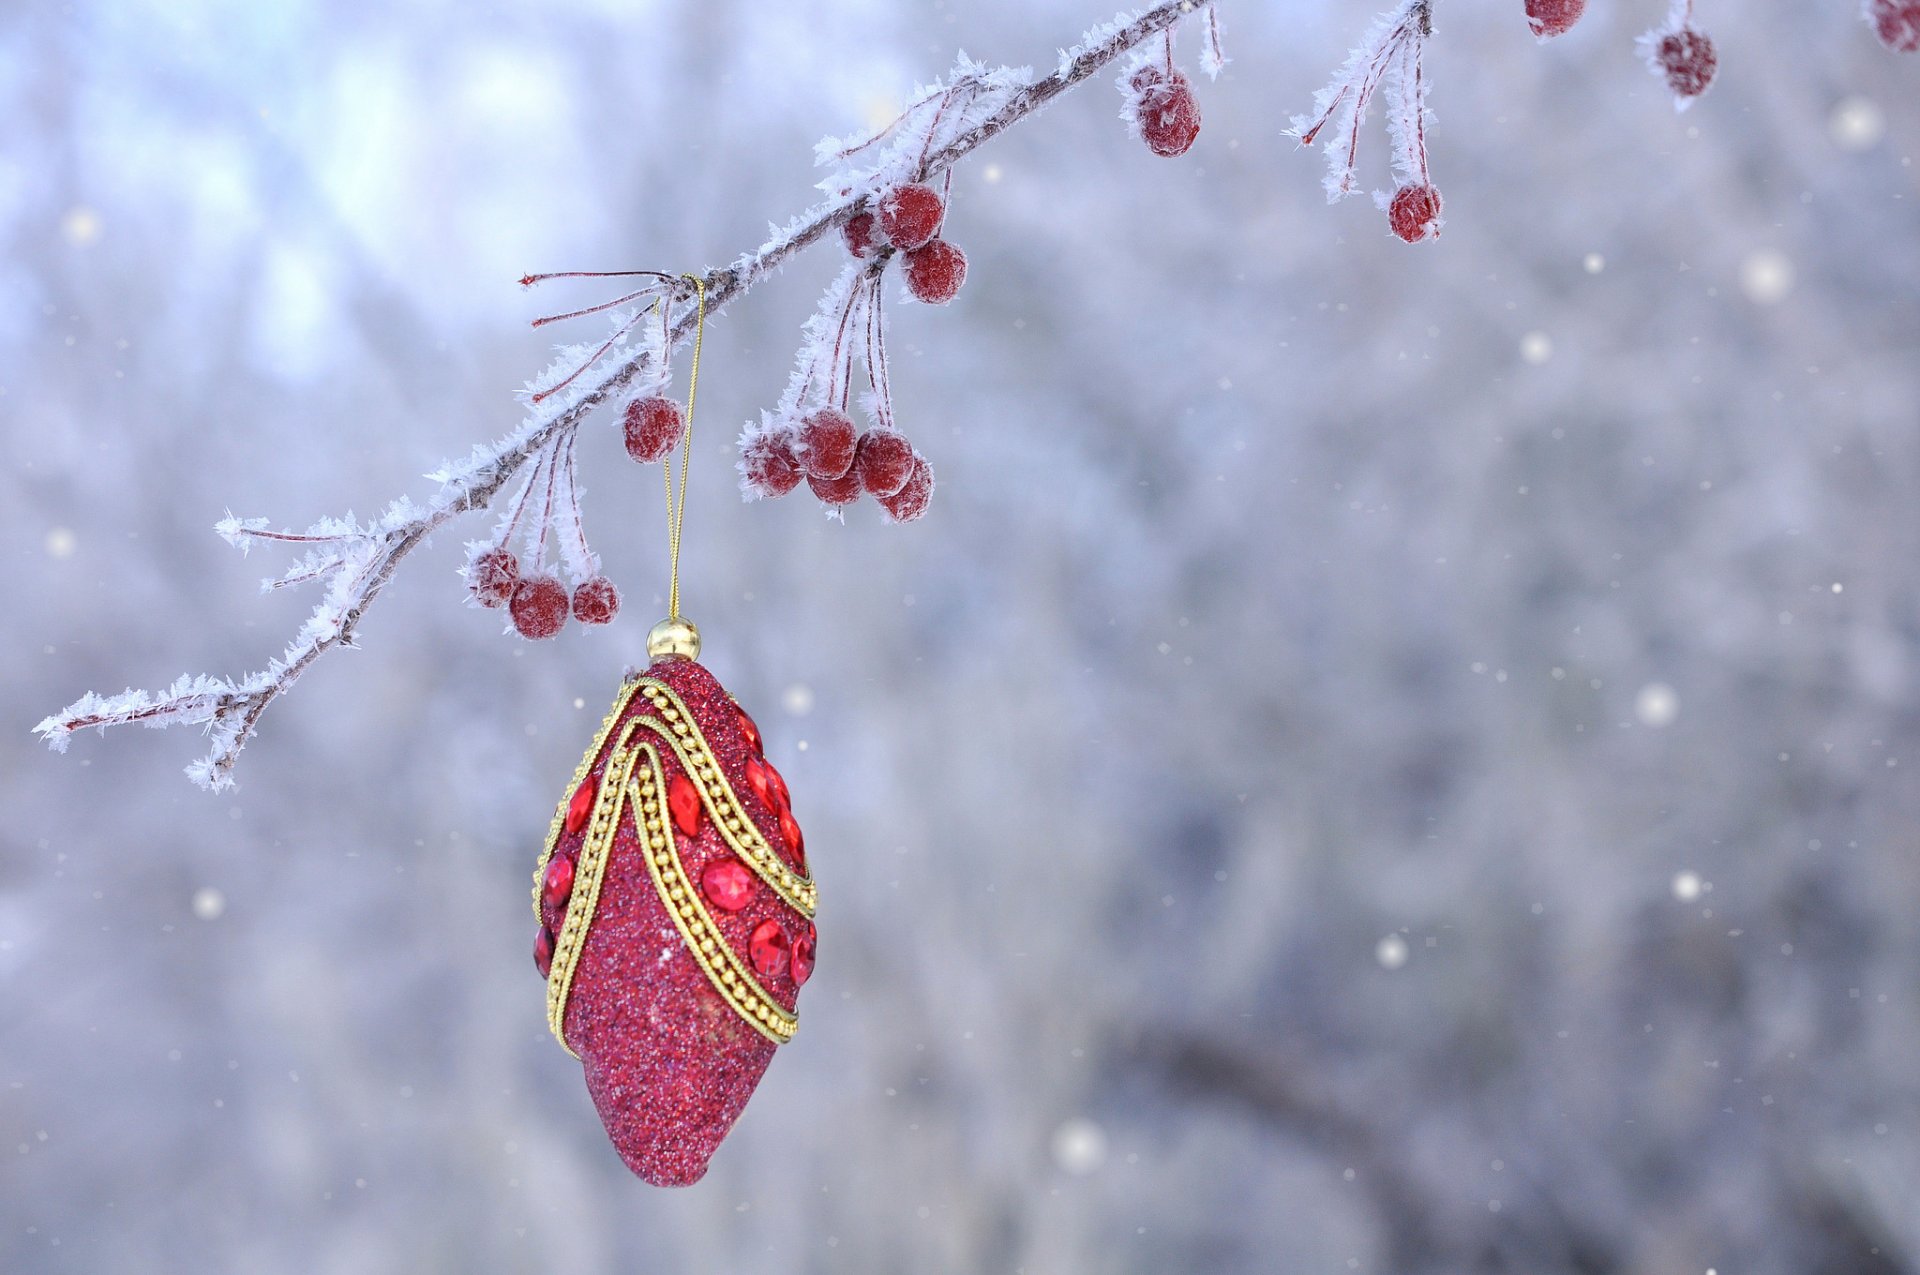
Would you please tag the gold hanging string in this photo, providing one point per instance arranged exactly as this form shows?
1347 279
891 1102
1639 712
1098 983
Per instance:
677 506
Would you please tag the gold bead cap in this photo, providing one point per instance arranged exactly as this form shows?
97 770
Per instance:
673 638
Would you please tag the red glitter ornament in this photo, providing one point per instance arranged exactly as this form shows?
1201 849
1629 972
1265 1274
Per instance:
1897 23
910 215
671 974
539 607
653 426
1549 18
491 576
1414 213
935 272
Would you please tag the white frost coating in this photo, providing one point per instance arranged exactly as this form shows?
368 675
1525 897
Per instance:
1408 117
1342 105
354 562
1213 57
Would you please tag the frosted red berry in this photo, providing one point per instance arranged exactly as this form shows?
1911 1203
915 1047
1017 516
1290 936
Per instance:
769 466
911 500
935 272
491 576
1897 23
827 439
1414 213
653 426
539 606
843 490
596 601
1167 111
910 215
884 460
1549 18
1688 60
859 233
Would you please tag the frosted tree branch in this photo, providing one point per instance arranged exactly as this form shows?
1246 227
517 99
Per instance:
356 562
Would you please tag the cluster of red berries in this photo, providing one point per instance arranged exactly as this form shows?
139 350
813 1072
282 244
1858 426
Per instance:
908 219
1163 105
839 465
1549 18
537 604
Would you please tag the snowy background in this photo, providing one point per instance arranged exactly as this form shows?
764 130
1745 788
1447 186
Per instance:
1380 759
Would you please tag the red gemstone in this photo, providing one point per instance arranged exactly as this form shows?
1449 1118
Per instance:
767 949
559 886
803 955
757 780
582 805
683 800
796 844
752 731
780 799
543 951
727 884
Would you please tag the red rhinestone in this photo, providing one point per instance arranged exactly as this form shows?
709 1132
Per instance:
559 885
767 949
796 844
582 805
757 780
752 731
727 884
543 951
683 800
780 799
803 955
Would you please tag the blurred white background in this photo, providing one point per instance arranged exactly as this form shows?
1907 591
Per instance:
1379 759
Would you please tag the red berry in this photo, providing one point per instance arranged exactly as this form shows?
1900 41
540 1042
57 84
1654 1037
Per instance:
827 440
768 465
910 215
653 427
539 606
935 272
1687 58
596 601
884 461
859 232
1549 18
1897 23
1168 112
911 500
843 490
1414 213
491 575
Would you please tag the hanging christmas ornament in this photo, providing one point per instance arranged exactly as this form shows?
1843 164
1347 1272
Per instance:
673 900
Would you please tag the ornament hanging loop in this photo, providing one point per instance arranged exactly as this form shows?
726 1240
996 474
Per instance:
676 637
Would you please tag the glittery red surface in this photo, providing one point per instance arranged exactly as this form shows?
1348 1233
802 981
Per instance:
669 1064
